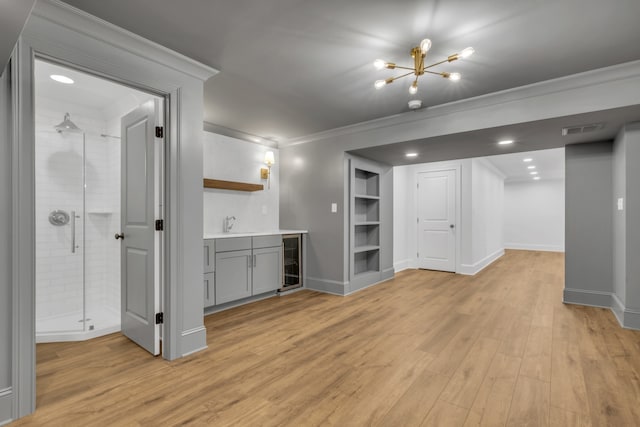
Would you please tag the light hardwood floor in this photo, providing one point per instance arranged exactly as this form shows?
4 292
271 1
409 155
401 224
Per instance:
427 348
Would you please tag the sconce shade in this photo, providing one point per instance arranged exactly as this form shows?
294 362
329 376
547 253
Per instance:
269 158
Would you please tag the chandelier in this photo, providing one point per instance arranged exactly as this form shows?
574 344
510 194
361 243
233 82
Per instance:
419 53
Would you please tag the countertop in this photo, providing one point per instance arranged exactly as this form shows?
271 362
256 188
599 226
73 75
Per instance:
222 235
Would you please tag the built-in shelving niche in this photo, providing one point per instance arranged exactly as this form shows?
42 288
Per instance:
365 221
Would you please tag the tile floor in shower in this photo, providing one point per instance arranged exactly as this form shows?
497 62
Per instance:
69 327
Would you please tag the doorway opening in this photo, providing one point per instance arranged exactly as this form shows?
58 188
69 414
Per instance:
79 157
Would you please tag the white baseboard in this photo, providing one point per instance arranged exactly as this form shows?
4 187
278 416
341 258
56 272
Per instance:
471 269
405 264
534 247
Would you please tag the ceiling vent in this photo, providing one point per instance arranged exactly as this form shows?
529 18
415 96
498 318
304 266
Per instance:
574 130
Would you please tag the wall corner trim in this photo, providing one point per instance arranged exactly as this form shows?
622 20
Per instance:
472 269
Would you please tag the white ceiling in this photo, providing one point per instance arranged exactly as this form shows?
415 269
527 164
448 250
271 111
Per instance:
87 90
295 67
548 163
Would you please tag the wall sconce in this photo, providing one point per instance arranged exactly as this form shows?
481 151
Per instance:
265 173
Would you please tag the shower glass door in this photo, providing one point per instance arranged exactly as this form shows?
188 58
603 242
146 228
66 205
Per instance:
60 224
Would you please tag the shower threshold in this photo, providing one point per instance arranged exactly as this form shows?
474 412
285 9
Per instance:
66 327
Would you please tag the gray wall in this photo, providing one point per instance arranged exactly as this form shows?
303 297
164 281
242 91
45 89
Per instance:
627 223
633 222
311 178
589 224
619 217
5 243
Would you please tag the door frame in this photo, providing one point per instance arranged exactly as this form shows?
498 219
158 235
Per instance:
65 34
457 168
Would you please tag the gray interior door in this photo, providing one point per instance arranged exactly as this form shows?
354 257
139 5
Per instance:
140 293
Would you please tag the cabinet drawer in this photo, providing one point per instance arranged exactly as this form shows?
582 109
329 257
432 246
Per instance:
209 256
267 241
233 244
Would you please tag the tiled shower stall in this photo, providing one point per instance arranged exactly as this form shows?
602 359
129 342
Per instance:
77 288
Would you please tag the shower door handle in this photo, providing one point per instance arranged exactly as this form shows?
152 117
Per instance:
119 236
73 232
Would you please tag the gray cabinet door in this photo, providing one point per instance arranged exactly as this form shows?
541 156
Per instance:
209 255
267 269
233 275
209 290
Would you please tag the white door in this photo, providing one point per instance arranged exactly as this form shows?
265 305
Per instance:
436 220
140 273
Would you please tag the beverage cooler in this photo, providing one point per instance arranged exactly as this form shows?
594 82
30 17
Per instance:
291 262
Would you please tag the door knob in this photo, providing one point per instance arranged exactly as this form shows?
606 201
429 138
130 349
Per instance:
119 236
452 226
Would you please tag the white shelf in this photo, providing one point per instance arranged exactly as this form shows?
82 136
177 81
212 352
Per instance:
99 213
364 196
367 223
370 248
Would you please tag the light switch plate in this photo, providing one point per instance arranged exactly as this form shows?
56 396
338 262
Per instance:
334 207
620 204
264 209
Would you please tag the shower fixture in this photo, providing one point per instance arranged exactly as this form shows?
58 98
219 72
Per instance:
67 125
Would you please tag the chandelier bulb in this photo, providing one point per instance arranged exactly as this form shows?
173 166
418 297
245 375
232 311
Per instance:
425 45
413 89
379 64
454 77
467 52
379 84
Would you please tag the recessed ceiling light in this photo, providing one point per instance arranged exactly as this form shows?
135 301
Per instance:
61 79
505 142
527 160
412 154
531 167
534 173
536 178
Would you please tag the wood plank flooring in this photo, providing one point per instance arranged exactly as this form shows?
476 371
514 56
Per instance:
425 349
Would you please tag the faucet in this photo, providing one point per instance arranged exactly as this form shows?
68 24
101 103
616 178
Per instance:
228 223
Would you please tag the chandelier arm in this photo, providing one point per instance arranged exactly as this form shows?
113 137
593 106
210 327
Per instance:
433 72
404 75
437 63
404 68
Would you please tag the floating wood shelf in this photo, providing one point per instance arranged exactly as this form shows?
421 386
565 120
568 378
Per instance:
232 185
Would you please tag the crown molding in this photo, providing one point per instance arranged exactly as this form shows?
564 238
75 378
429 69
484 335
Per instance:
86 24
237 134
619 72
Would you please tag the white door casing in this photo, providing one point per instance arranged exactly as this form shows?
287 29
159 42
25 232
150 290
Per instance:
437 220
140 276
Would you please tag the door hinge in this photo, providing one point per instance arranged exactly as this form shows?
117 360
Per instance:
159 225
159 318
159 132
417 254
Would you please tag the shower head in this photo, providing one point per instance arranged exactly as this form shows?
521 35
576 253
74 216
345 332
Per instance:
67 125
